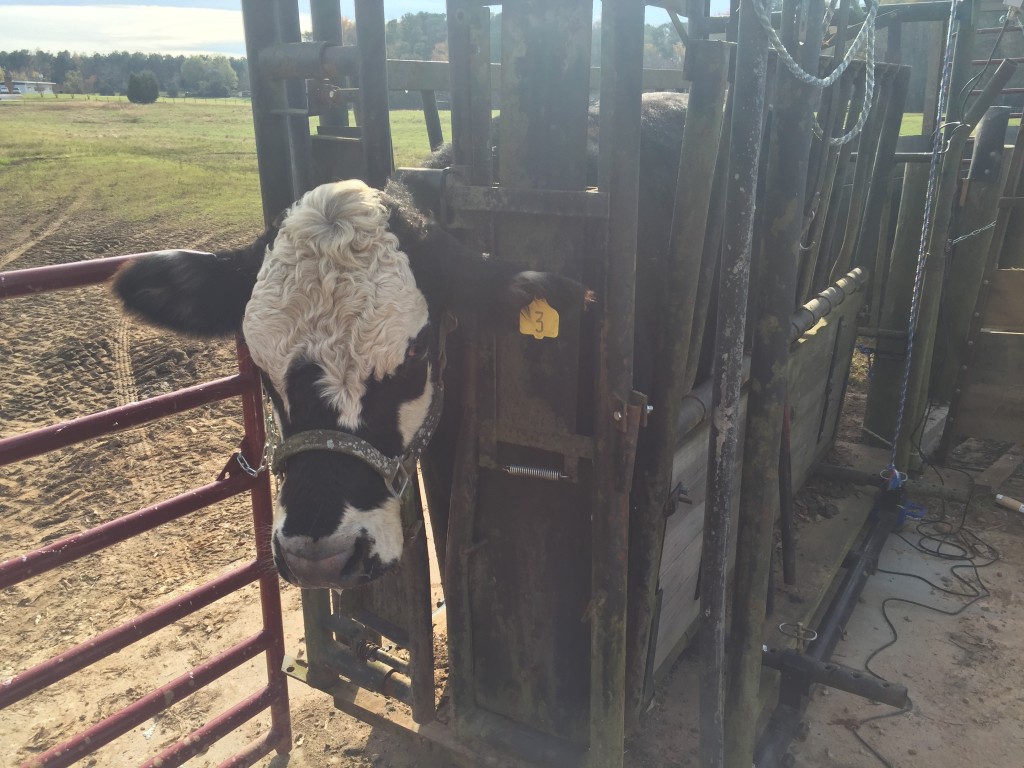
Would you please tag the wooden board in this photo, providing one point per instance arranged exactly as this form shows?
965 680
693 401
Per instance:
1005 309
815 397
992 404
1000 471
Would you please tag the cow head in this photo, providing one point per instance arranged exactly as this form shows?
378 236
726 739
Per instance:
346 340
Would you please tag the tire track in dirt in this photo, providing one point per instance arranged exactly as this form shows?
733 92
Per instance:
18 251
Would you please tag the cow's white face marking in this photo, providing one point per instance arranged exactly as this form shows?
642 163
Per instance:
335 292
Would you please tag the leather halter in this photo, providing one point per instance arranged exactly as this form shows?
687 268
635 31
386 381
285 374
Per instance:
396 472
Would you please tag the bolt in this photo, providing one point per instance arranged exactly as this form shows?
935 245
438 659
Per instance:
617 415
650 409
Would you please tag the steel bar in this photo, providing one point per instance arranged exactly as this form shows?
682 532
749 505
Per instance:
784 722
469 54
622 43
25 446
325 16
868 150
826 240
58 277
435 136
869 253
200 739
745 145
824 157
794 105
272 132
263 523
708 68
787 514
77 545
374 118
838 676
152 703
807 316
250 754
66 663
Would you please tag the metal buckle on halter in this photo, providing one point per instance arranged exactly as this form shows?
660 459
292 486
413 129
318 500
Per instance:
399 473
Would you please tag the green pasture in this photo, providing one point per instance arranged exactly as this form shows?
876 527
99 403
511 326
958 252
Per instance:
178 162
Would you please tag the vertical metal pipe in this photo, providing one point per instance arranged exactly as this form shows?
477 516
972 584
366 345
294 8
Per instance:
788 159
622 30
374 118
745 143
263 521
707 66
326 18
433 120
469 56
272 143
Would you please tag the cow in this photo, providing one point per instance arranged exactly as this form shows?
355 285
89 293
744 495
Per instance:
340 302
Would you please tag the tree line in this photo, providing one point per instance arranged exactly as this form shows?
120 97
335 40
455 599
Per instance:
421 36
108 74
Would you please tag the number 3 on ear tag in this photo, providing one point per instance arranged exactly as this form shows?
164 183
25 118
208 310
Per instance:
539 320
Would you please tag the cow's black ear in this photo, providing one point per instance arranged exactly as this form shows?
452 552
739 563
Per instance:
562 293
199 294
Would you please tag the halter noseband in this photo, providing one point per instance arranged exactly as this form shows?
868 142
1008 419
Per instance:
396 471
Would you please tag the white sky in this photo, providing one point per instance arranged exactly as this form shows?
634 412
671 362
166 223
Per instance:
159 26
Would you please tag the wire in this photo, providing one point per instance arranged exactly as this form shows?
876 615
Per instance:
970 553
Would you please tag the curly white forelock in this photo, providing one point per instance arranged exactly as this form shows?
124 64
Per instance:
335 290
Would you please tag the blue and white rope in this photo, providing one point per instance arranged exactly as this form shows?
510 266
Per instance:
922 252
865 39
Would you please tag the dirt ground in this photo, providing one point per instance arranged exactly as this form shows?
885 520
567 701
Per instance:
71 353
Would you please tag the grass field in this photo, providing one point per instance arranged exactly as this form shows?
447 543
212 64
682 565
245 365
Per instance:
193 163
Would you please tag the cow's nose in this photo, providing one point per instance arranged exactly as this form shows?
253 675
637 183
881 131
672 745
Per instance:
301 562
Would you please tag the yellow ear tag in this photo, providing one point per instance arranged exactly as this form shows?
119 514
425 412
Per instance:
539 320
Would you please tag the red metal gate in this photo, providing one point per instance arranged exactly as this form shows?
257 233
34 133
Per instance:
269 640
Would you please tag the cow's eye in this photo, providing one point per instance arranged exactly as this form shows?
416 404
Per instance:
416 351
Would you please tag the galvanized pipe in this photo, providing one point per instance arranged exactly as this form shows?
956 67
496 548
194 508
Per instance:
622 43
707 65
794 104
745 144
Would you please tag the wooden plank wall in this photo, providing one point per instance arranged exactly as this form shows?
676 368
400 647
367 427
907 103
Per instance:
818 370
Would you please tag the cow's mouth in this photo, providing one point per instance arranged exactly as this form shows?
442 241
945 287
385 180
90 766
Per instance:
344 570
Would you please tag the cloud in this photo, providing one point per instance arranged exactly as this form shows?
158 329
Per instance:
105 28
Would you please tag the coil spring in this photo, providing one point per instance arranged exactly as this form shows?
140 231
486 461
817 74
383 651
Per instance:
537 473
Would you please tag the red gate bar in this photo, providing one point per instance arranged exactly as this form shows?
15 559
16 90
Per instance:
201 738
20 447
78 545
270 640
58 277
153 703
62 665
